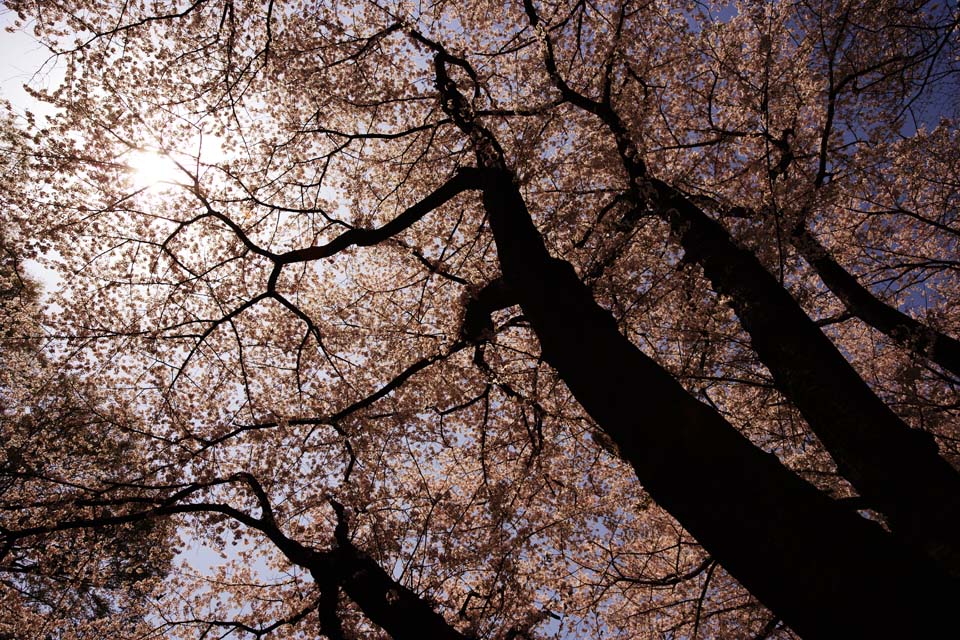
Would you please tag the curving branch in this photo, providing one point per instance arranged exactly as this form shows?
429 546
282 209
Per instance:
391 605
464 180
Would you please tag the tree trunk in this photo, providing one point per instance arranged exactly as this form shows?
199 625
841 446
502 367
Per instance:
898 470
898 326
392 606
825 570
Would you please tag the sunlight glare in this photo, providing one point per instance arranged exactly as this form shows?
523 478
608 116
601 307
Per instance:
152 170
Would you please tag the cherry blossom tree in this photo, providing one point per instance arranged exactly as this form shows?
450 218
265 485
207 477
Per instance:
61 443
485 320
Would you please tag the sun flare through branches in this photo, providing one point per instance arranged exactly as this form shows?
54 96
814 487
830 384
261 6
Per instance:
155 170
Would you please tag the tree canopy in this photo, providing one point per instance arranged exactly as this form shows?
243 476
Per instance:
483 320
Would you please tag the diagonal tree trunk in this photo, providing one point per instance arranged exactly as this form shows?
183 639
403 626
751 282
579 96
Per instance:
897 469
896 325
392 606
826 571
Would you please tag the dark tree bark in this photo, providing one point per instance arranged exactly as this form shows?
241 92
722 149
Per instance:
898 470
823 569
393 607
826 571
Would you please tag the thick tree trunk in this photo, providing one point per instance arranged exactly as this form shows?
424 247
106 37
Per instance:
898 326
826 571
823 569
898 470
392 606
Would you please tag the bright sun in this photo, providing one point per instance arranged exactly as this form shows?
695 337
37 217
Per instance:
153 170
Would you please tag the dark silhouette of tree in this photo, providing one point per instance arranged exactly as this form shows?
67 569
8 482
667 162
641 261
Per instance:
393 305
